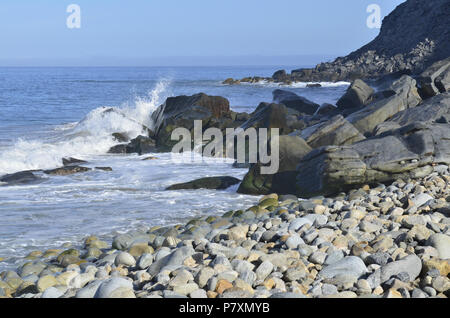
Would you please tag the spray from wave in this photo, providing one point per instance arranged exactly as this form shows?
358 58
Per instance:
89 137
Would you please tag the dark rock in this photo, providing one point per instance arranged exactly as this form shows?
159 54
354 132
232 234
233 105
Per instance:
434 79
280 76
432 110
326 108
336 131
104 168
182 111
268 116
22 177
357 95
216 183
313 85
68 170
293 101
378 112
413 150
291 150
140 145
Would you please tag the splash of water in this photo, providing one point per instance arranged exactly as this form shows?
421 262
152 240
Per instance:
91 136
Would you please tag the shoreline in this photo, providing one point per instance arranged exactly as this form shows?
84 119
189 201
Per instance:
366 243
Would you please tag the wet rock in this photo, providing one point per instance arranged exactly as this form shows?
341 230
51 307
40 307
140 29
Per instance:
67 170
216 183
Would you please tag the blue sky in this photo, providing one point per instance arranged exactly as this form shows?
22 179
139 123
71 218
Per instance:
120 32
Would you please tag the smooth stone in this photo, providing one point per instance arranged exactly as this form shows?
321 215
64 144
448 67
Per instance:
263 270
89 290
52 292
441 242
411 264
350 265
124 258
114 288
145 261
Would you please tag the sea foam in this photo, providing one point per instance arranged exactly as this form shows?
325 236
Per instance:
91 136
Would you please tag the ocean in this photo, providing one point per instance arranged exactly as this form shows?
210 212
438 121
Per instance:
47 113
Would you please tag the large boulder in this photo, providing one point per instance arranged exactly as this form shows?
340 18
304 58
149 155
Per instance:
404 95
215 183
335 131
295 102
268 116
413 150
357 95
435 79
182 111
18 178
291 150
435 109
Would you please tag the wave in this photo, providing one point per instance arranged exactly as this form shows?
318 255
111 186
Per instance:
298 84
89 137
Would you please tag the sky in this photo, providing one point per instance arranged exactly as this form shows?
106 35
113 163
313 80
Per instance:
183 32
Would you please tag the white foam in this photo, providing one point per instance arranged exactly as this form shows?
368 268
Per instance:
298 84
90 136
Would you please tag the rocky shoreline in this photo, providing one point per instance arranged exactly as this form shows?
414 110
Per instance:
380 241
359 207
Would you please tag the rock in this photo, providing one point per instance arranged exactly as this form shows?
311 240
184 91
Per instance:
264 269
18 178
182 111
67 170
405 97
336 131
145 261
173 260
124 258
52 292
46 282
350 265
430 81
185 289
140 145
414 150
293 101
379 258
421 199
432 110
222 286
203 276
280 76
216 183
287 295
357 95
90 290
294 241
291 150
441 242
199 293
269 116
412 265
115 288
